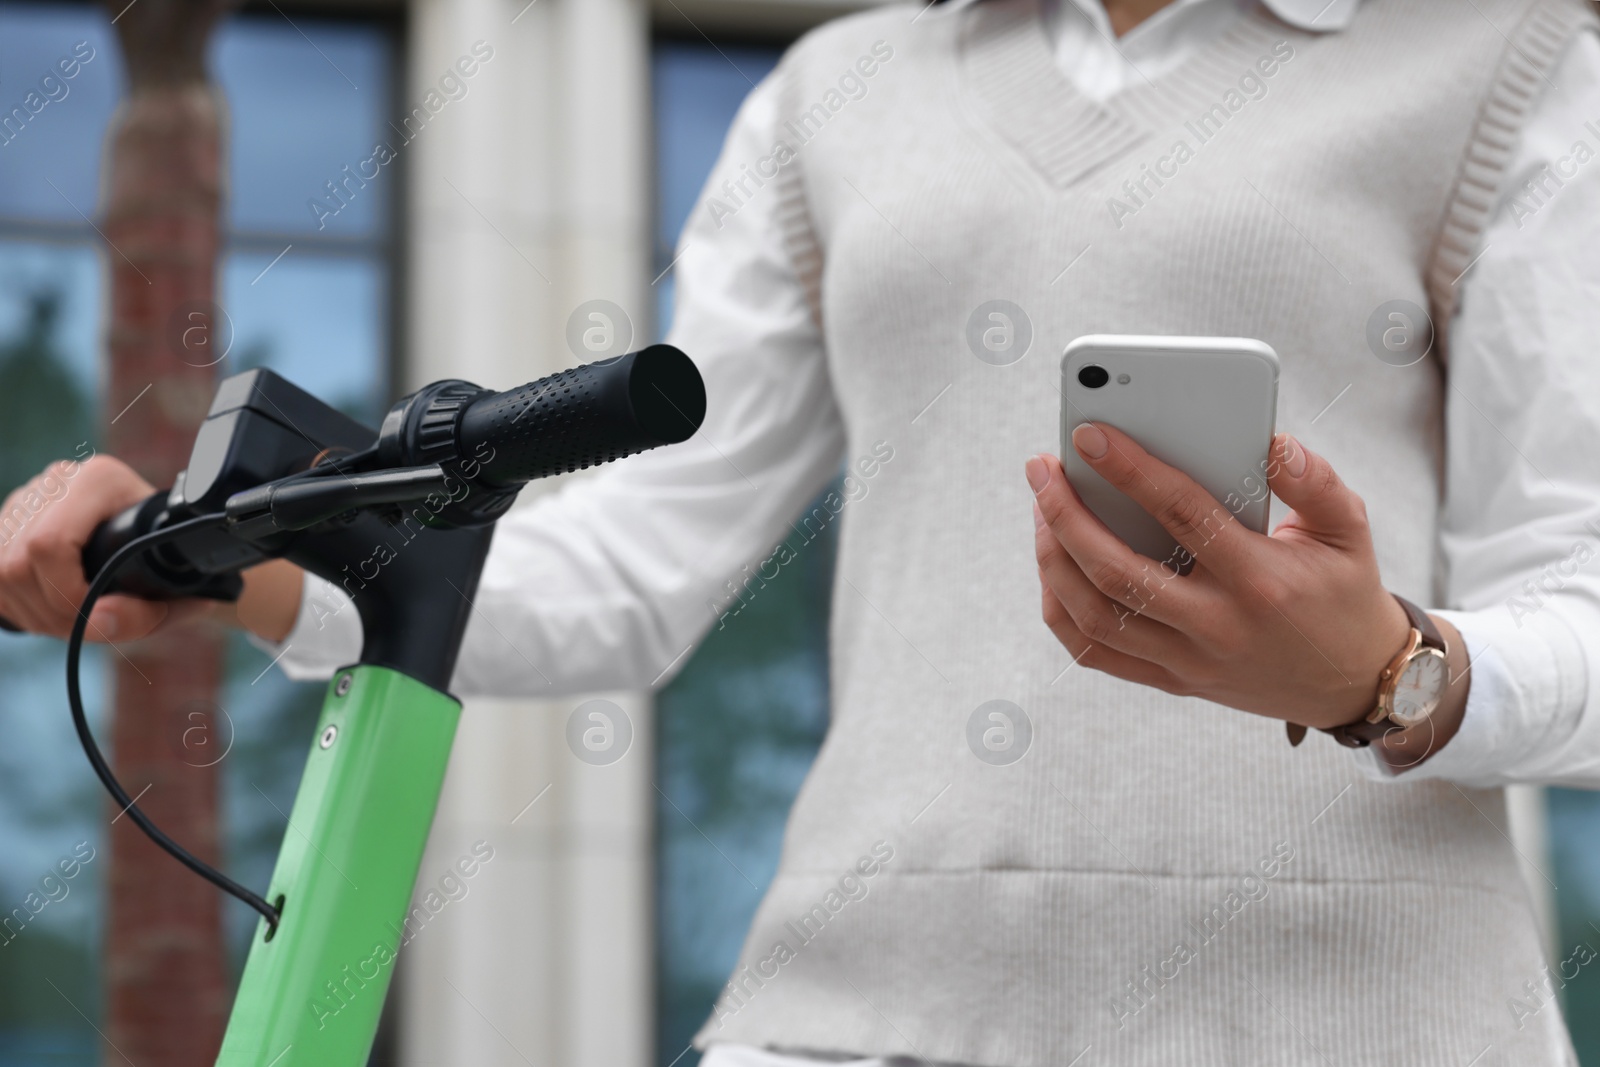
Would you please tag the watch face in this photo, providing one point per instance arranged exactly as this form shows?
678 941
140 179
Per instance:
1419 688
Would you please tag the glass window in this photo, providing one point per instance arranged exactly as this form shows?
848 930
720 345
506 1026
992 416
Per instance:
1574 834
308 296
50 160
696 89
311 109
739 727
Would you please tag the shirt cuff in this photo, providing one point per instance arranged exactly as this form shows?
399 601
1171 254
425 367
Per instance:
325 637
1520 691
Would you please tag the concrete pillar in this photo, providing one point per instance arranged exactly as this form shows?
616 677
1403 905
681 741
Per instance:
529 196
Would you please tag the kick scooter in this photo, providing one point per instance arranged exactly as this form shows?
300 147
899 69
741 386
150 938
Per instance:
402 519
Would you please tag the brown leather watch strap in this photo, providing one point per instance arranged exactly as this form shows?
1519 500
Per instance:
1361 733
1431 637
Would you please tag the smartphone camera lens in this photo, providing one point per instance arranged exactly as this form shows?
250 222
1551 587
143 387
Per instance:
1091 376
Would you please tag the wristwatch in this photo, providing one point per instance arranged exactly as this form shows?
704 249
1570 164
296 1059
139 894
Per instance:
1409 688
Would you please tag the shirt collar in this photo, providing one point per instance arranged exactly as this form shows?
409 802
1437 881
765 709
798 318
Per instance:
1313 16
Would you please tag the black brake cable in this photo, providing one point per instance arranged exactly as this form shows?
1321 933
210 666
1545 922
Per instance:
97 588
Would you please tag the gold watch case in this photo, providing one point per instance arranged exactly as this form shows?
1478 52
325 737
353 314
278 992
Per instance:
1405 709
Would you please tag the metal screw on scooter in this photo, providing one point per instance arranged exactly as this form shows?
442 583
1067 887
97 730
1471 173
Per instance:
342 686
328 736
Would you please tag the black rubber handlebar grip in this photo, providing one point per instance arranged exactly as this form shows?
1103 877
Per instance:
584 416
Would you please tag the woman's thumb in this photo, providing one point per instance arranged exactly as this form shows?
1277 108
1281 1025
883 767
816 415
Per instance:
1308 484
119 618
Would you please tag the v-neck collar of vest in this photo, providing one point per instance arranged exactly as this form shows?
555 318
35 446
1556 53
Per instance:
1065 135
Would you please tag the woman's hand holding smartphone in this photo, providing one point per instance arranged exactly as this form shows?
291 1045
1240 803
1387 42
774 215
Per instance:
1294 626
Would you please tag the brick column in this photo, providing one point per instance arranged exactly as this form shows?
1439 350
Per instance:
166 991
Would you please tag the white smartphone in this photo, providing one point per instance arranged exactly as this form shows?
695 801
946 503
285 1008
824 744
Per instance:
1206 405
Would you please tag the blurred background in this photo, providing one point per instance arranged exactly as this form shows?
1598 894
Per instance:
558 174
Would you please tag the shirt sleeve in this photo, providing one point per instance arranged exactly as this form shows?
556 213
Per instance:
609 582
1520 527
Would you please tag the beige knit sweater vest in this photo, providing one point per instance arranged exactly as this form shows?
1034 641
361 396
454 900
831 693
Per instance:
1156 880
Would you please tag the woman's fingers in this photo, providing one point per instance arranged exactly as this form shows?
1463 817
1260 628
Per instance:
47 522
1207 530
127 618
1136 583
1087 653
36 570
1101 619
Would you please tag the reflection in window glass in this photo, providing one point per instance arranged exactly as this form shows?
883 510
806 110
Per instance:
697 89
739 727
1575 867
319 321
50 160
66 277
312 305
302 104
50 805
310 112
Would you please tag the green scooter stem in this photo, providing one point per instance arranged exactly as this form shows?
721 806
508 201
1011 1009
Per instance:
313 992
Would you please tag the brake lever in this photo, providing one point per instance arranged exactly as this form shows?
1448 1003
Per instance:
298 503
